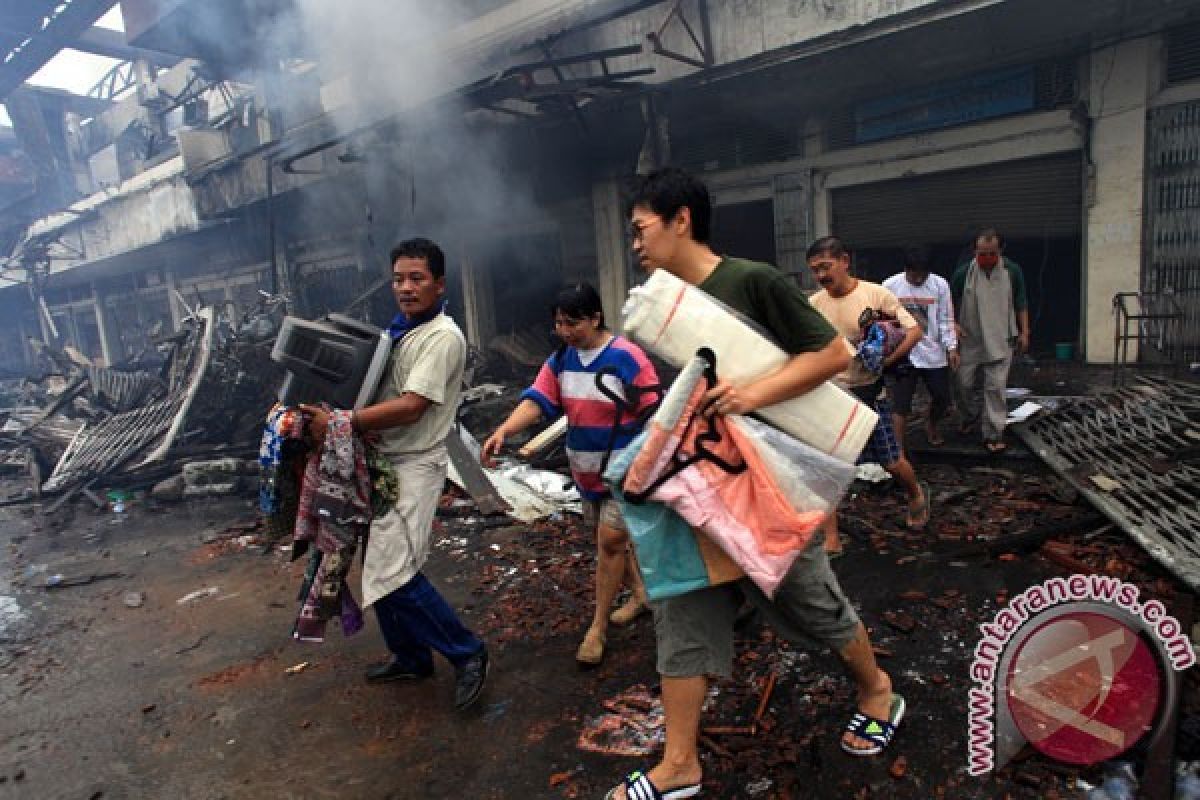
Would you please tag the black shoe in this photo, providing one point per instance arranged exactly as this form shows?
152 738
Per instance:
468 684
394 671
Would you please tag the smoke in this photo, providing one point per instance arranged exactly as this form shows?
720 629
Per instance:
418 162
380 56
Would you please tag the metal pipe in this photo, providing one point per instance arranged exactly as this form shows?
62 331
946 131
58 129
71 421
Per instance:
271 222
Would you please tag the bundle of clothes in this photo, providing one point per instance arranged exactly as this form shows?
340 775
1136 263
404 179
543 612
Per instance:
326 501
882 333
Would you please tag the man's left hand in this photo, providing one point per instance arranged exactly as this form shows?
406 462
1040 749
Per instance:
725 398
1023 343
317 425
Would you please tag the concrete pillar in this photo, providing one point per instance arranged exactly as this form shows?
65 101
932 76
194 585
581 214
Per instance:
612 251
1119 86
108 348
820 206
478 303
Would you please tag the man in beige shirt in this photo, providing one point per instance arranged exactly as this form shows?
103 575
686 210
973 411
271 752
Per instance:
412 415
842 299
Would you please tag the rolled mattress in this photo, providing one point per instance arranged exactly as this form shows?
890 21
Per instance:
674 319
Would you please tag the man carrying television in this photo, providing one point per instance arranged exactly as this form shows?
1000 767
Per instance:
412 415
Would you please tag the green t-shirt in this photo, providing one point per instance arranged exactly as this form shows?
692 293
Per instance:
771 300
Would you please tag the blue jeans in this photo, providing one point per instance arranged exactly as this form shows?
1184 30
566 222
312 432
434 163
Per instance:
416 620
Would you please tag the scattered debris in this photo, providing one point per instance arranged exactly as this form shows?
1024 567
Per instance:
872 473
194 645
57 581
1023 412
169 489
900 620
632 725
199 594
1105 483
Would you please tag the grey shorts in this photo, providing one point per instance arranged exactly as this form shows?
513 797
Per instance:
606 512
695 630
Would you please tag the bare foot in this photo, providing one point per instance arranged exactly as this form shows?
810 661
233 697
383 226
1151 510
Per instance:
667 778
874 701
918 509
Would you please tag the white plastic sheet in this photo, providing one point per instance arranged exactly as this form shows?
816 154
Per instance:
673 320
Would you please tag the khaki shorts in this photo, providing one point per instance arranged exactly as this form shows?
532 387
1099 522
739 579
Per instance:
606 512
695 630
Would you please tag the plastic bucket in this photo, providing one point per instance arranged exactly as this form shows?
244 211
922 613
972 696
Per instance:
1064 351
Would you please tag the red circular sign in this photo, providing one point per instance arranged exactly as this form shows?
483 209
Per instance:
1083 688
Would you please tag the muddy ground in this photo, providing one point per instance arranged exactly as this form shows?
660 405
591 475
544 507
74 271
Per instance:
195 700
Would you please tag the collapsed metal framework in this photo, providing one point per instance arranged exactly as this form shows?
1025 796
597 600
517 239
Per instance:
1134 453
114 443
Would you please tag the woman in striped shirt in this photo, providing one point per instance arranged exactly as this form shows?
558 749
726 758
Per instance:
567 385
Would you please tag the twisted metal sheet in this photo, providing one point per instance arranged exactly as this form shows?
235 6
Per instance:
1145 439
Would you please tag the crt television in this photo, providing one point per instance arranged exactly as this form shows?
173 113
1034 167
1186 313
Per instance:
336 359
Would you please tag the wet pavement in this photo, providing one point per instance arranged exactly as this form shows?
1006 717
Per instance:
209 699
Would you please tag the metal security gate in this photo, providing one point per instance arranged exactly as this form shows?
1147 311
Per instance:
1036 203
1171 263
1134 453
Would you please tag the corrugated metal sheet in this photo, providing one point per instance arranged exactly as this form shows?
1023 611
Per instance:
1172 218
1035 198
720 142
1183 53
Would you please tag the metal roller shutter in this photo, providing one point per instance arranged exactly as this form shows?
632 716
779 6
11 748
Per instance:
1172 233
1035 199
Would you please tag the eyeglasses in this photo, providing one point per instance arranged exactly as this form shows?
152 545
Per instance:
637 232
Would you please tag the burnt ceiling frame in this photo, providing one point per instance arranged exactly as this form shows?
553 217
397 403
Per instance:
62 22
703 42
520 82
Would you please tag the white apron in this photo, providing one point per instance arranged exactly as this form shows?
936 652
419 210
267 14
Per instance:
399 542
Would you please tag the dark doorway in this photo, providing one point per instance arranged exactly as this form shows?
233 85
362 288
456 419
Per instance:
1036 204
745 230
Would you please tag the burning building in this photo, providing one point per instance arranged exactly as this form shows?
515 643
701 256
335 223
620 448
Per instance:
275 146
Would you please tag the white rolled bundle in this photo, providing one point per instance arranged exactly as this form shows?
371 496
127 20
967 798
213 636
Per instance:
674 319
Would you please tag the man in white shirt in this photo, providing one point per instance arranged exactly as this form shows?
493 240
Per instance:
927 297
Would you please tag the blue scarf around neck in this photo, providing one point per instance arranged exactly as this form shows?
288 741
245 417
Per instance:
402 324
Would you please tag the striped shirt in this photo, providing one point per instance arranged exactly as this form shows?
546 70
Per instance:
566 384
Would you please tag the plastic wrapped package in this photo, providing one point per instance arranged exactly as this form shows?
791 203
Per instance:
672 558
811 480
673 320
712 474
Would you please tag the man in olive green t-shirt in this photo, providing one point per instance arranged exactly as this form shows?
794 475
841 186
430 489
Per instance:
670 214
